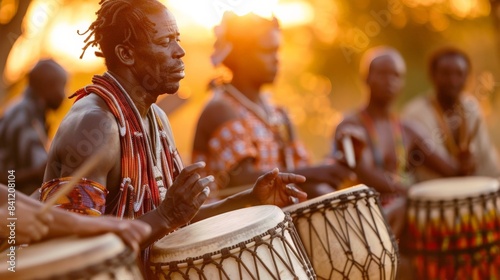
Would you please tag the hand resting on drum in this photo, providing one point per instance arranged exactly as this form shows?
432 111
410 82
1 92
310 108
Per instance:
33 224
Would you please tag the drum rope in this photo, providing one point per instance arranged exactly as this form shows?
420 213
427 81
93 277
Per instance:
345 220
237 253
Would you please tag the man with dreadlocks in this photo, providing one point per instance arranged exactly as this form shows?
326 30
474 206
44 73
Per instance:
142 176
240 134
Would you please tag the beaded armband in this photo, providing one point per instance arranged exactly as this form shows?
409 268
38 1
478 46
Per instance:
87 197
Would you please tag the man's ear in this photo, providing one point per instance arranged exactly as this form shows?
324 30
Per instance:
125 54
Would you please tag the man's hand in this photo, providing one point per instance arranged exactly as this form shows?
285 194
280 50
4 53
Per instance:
272 188
357 137
467 162
133 233
32 225
334 174
185 197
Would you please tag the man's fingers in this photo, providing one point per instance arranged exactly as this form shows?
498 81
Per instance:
143 228
205 181
193 167
200 199
195 184
268 177
190 181
45 217
299 195
291 178
130 238
190 169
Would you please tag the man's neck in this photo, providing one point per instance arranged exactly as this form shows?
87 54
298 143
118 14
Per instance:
378 111
140 97
446 102
247 88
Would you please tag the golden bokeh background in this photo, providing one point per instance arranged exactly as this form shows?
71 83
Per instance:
322 44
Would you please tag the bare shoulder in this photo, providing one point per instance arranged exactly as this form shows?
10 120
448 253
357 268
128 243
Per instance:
217 112
88 128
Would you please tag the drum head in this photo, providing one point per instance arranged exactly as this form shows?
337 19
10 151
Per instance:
215 233
62 256
454 188
326 197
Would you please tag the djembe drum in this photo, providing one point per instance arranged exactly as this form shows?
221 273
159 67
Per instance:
251 243
103 257
453 228
345 235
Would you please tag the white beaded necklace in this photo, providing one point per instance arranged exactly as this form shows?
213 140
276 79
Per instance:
263 112
154 158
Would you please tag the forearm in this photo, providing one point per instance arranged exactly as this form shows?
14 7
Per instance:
159 227
434 161
381 180
239 200
447 167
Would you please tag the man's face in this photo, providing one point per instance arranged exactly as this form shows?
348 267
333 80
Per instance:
260 63
158 65
450 75
52 87
386 78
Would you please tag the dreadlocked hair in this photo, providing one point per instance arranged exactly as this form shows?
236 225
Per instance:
120 22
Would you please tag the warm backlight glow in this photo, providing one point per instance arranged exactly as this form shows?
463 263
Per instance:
294 13
64 43
26 50
50 30
458 8
209 13
7 10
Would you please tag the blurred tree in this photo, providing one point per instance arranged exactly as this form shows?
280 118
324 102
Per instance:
10 29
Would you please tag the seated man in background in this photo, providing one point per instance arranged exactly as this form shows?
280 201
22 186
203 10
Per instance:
452 119
23 128
240 133
393 147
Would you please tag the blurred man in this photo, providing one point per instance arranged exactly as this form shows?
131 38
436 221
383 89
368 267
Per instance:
393 147
451 119
23 128
240 134
141 177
